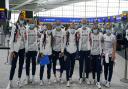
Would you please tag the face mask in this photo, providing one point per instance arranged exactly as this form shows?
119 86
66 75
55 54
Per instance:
84 26
95 31
72 31
49 31
72 27
21 21
58 28
108 32
31 26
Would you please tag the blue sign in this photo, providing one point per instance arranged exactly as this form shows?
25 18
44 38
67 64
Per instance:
77 20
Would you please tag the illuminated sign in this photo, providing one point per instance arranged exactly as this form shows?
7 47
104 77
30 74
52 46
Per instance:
2 14
77 20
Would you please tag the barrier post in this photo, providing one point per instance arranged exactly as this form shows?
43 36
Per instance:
7 62
125 79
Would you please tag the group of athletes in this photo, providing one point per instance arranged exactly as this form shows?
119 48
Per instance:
95 50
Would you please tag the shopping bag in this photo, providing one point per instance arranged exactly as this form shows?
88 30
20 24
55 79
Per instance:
44 60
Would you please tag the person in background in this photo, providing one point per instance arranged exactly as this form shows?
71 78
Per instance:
109 54
31 49
84 51
58 49
17 46
96 50
71 49
46 49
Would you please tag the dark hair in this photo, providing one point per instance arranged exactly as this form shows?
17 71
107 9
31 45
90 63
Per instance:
44 40
67 38
15 33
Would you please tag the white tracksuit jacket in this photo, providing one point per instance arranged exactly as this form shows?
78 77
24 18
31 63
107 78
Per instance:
71 46
20 39
46 48
108 46
96 47
32 38
59 40
84 41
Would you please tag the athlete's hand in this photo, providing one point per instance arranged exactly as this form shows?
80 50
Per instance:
113 56
13 55
61 54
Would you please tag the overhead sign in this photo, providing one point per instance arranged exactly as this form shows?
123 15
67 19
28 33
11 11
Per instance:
2 14
77 20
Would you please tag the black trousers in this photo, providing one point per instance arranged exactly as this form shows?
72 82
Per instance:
96 66
48 69
20 53
84 61
31 55
108 69
70 63
61 61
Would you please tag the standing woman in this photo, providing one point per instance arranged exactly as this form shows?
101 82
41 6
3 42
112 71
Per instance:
109 53
46 49
58 49
96 51
71 49
84 51
17 46
31 50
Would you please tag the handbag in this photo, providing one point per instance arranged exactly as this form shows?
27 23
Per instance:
44 60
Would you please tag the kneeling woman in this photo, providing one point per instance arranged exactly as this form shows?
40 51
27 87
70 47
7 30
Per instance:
71 49
46 49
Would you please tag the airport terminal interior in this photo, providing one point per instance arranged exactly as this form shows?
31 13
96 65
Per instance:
63 44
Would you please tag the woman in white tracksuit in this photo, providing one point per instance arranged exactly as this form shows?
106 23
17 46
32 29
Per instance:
58 50
84 52
17 47
109 51
71 49
96 50
46 49
31 50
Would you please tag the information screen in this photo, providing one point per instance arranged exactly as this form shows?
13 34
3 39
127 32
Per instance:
2 15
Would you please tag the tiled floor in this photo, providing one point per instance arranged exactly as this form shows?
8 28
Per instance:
116 83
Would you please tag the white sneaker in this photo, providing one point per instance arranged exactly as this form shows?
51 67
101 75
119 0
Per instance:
70 79
33 79
87 81
55 79
19 84
49 81
108 85
68 84
27 80
9 85
81 80
61 80
93 81
41 82
105 82
98 85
